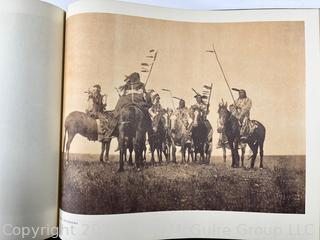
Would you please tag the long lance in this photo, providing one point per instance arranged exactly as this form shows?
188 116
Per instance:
209 97
154 59
224 75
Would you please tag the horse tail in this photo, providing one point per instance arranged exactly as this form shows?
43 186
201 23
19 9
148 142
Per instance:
64 139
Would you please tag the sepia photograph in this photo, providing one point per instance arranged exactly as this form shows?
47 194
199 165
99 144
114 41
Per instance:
166 115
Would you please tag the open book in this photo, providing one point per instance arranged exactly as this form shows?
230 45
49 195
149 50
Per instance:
124 121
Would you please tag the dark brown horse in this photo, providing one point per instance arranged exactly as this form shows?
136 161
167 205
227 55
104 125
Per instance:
225 145
132 127
157 137
81 123
231 127
200 135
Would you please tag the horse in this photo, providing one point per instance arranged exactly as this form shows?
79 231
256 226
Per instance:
200 135
81 123
132 127
231 127
224 144
130 149
242 147
157 137
178 135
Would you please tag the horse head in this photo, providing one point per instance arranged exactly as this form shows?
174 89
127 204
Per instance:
195 115
158 121
223 112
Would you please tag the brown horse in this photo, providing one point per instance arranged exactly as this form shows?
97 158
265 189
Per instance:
201 135
132 127
157 137
181 137
224 144
231 127
81 123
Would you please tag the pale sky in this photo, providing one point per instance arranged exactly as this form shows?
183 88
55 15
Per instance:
266 59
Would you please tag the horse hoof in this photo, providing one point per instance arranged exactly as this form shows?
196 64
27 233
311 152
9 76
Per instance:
120 170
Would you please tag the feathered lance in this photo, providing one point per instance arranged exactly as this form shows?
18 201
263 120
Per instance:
224 75
207 87
153 61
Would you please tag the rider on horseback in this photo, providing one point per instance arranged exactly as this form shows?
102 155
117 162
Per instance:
134 93
242 112
96 108
96 103
156 108
182 116
182 112
203 108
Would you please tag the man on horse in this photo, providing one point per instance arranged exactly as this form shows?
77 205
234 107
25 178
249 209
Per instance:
182 112
96 103
182 116
134 93
242 112
156 108
96 108
203 108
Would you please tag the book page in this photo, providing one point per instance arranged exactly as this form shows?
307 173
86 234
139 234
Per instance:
189 124
31 50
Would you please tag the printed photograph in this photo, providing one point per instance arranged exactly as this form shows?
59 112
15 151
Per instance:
167 115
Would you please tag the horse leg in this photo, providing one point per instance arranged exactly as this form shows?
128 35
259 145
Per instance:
224 152
233 154
107 149
160 152
202 155
243 151
254 149
136 151
261 154
139 142
152 153
107 143
174 150
188 151
237 157
122 153
166 151
122 146
195 155
183 153
103 148
130 149
130 156
208 155
121 162
169 151
145 153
